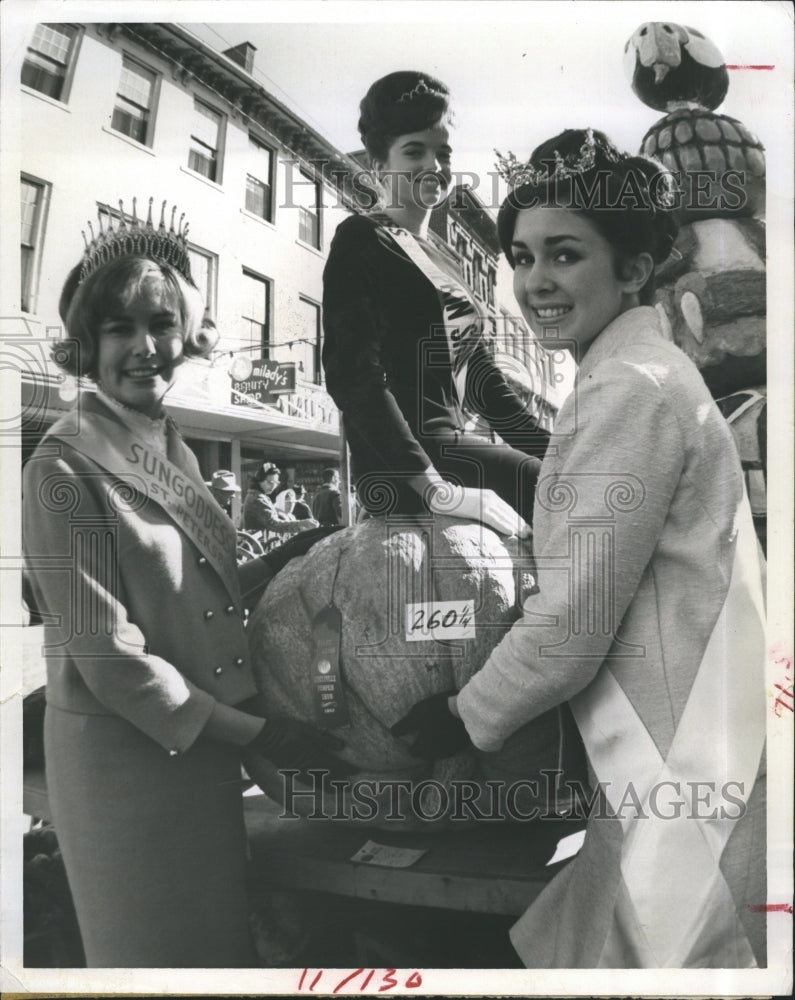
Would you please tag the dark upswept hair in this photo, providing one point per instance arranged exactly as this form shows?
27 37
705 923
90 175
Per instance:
384 116
628 199
83 307
265 470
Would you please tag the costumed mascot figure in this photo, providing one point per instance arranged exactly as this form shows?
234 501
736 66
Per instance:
711 291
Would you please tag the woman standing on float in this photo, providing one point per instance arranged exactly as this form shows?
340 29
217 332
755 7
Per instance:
404 355
150 696
648 619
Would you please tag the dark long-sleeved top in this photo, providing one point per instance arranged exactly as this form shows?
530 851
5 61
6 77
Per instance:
327 505
388 363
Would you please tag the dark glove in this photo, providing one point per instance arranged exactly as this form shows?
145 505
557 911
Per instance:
288 743
256 574
439 732
298 545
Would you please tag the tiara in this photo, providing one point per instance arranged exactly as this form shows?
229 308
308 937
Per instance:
558 167
137 239
421 88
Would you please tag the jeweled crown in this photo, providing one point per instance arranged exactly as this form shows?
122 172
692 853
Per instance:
136 238
558 167
416 91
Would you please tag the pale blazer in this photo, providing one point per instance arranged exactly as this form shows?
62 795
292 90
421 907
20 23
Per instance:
151 633
649 621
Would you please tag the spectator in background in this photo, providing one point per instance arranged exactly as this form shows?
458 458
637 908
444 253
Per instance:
224 488
301 508
327 504
259 511
283 496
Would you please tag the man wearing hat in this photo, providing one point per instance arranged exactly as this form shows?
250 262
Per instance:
223 487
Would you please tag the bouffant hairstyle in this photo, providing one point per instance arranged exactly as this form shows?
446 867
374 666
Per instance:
628 199
402 102
265 470
84 305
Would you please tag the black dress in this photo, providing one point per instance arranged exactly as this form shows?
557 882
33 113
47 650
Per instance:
391 369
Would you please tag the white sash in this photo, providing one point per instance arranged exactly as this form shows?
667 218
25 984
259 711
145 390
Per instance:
684 915
462 321
182 496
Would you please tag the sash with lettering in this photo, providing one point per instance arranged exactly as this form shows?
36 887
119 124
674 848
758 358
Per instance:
167 480
463 323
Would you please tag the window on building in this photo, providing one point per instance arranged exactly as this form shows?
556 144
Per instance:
308 198
310 333
34 195
491 283
204 271
133 112
206 137
477 271
259 183
256 312
49 60
510 342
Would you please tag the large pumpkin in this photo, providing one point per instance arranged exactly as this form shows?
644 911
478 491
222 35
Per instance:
372 573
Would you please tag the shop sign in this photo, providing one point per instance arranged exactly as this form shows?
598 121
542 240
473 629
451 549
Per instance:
265 382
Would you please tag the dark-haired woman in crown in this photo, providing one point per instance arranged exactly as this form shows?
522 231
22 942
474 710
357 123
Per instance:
151 701
404 354
648 619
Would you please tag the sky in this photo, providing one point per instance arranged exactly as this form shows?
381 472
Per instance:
519 72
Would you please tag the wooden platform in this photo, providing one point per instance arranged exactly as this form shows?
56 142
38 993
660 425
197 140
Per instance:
497 869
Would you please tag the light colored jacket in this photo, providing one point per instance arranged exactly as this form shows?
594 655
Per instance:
150 631
649 621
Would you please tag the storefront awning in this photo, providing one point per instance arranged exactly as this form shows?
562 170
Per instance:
305 423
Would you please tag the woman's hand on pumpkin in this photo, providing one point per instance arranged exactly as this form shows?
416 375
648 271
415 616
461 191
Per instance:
295 745
440 732
473 504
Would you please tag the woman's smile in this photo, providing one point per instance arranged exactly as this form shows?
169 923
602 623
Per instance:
143 371
546 313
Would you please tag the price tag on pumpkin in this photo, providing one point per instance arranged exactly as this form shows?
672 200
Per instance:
440 620
328 695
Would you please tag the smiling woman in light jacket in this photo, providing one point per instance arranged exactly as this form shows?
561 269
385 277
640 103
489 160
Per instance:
648 618
150 694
